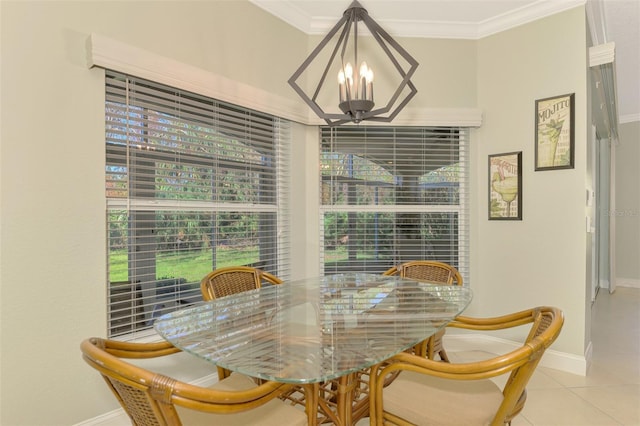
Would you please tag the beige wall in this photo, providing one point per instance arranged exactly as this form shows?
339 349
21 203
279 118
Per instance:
540 259
445 76
52 265
627 208
52 269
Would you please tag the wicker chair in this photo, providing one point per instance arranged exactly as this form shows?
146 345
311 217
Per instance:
434 272
154 399
234 279
463 394
231 280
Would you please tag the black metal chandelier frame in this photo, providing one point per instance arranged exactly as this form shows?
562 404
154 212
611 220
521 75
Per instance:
353 109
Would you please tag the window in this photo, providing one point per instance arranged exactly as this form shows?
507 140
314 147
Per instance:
393 194
192 184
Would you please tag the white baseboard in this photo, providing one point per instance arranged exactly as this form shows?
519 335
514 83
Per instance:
109 418
570 363
627 282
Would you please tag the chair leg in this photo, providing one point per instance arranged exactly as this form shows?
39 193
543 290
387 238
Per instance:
443 355
434 346
421 348
223 373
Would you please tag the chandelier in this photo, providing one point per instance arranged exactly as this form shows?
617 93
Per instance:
354 89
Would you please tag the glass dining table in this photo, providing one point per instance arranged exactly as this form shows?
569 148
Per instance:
321 333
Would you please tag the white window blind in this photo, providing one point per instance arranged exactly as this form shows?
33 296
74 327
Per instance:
192 184
393 194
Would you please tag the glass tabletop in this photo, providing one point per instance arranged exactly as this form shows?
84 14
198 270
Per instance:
314 329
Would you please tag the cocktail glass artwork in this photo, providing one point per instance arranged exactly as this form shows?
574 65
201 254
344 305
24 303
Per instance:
548 145
555 135
505 186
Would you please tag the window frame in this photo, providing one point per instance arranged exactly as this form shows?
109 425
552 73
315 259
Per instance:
357 138
139 300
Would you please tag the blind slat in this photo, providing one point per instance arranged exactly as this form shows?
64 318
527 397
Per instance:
393 194
192 184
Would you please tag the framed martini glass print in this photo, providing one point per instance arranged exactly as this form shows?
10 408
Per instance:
505 186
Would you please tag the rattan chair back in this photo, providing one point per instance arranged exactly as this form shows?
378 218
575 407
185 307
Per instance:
432 272
234 279
231 280
153 399
519 364
428 271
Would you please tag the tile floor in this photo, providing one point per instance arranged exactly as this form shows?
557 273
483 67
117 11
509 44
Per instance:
610 393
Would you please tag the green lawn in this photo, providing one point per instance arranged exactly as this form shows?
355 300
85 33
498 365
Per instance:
193 265
190 265
340 254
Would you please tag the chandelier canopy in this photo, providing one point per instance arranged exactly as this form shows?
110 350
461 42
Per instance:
355 79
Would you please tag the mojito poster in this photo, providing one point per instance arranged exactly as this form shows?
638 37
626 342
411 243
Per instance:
554 133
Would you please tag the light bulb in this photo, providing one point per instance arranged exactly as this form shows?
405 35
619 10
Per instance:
348 71
369 76
363 69
342 90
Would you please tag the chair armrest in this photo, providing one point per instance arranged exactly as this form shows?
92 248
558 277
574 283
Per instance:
495 323
490 367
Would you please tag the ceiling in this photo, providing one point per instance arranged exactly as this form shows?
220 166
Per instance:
615 21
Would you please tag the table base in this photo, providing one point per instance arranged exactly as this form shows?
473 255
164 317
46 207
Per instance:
342 401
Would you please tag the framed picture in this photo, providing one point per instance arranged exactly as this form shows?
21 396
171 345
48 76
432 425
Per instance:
555 133
505 186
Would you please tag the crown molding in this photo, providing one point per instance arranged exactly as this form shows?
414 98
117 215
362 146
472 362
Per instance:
406 28
288 12
529 13
293 15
